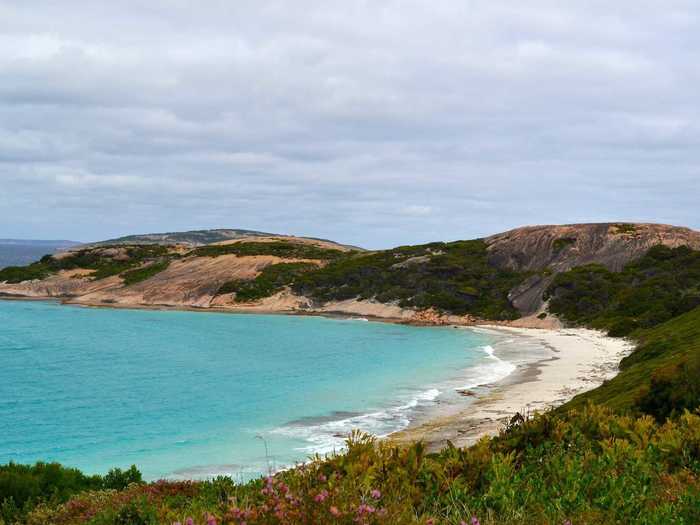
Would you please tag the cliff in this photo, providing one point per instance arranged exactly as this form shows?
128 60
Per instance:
560 248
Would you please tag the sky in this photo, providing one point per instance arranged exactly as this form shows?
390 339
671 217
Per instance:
374 123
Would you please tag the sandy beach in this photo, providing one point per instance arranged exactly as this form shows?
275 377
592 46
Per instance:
580 360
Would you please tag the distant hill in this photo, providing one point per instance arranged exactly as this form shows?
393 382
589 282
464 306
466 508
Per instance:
197 237
18 252
193 237
502 277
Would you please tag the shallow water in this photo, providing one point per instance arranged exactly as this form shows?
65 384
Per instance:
184 394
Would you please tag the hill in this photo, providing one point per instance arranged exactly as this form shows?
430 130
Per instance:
502 277
193 237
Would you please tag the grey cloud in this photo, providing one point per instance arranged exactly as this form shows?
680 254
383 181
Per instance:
372 123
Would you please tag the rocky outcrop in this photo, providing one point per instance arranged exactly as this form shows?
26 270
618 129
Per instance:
560 248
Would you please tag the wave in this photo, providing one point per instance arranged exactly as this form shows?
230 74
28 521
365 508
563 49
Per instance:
330 436
328 433
485 374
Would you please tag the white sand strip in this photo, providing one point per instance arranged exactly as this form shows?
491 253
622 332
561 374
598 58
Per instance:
581 360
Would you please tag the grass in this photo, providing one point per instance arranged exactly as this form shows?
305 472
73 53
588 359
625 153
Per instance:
662 352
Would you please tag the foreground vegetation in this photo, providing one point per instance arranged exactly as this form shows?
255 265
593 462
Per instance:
585 467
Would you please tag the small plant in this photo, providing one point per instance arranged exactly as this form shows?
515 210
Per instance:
146 272
624 229
559 245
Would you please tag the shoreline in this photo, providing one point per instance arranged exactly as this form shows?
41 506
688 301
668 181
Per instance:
375 312
581 360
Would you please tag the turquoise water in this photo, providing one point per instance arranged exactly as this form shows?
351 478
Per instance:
183 394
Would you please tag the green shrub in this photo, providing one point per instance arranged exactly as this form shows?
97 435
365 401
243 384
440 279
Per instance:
452 277
282 249
270 280
661 377
661 285
589 466
23 487
561 244
97 259
146 272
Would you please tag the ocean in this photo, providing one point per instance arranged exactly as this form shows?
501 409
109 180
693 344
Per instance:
193 395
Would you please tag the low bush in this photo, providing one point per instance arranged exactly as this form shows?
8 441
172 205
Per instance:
454 277
101 260
271 279
23 487
146 272
282 249
663 284
587 466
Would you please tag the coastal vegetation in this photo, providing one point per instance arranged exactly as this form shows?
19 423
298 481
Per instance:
661 285
586 466
146 272
104 262
282 249
269 281
454 277
661 377
25 487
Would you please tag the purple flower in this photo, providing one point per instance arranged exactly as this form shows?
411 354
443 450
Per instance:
475 521
189 521
376 494
321 496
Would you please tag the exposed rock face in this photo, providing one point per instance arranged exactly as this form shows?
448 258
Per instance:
560 248
192 282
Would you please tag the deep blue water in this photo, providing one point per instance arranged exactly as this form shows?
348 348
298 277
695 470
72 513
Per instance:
195 394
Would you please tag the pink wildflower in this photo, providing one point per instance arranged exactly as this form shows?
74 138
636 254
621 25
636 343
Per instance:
189 521
321 496
334 510
376 494
475 521
322 478
211 520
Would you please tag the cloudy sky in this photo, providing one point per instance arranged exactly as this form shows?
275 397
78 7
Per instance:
369 122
